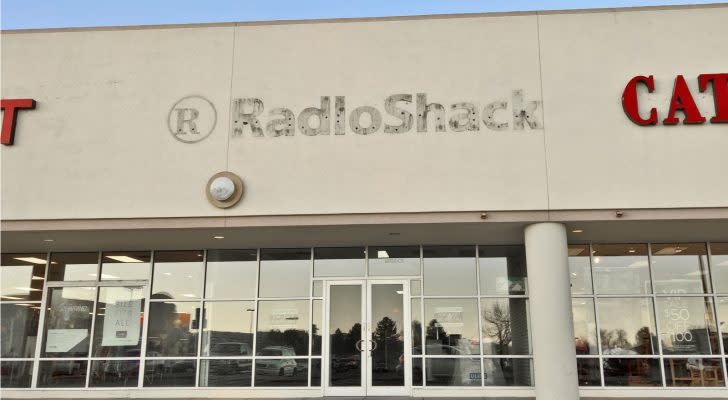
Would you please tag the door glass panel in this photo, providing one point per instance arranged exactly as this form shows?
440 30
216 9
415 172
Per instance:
345 335
387 335
68 322
119 316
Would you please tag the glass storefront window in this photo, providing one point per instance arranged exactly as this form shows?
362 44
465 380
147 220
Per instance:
231 274
680 268
621 269
452 327
114 373
507 372
19 329
125 266
580 269
626 326
693 372
585 326
416 312
450 271
632 372
68 322
504 323
177 275
282 328
73 267
719 266
339 261
172 373
228 329
315 372
62 374
417 371
15 374
687 325
722 306
587 370
21 276
281 372
461 371
285 273
502 270
317 326
394 260
173 329
227 372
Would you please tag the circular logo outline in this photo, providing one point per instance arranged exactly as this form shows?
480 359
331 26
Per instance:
214 120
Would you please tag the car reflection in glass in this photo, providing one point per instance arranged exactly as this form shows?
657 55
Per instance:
280 366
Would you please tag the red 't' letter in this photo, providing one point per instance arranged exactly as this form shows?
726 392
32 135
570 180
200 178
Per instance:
11 108
683 100
720 94
629 100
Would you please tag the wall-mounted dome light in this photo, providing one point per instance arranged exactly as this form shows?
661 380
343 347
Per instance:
224 189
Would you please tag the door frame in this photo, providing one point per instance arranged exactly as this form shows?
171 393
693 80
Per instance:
366 388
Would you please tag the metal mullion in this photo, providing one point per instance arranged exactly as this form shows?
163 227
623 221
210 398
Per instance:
422 316
503 296
228 357
55 284
201 319
41 324
21 301
714 296
528 356
279 357
629 296
663 296
310 317
480 321
597 324
256 305
223 300
145 326
656 316
91 332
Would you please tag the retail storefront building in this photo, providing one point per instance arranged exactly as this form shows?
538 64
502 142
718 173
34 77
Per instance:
513 205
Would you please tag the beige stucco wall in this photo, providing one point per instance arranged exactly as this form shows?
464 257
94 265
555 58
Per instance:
98 144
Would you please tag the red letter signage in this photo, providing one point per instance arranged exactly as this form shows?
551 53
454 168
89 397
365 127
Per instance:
720 94
683 100
629 100
10 116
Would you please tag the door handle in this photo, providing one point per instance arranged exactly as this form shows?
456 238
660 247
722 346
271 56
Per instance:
374 345
358 345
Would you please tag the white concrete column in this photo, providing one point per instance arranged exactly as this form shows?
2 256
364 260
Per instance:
552 325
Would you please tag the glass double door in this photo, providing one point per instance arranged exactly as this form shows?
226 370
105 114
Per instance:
367 338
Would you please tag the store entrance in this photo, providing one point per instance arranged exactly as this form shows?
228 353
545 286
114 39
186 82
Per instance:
367 338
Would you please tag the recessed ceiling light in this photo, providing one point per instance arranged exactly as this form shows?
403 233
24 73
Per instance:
393 233
632 250
34 260
36 278
48 240
124 259
218 237
382 254
577 230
